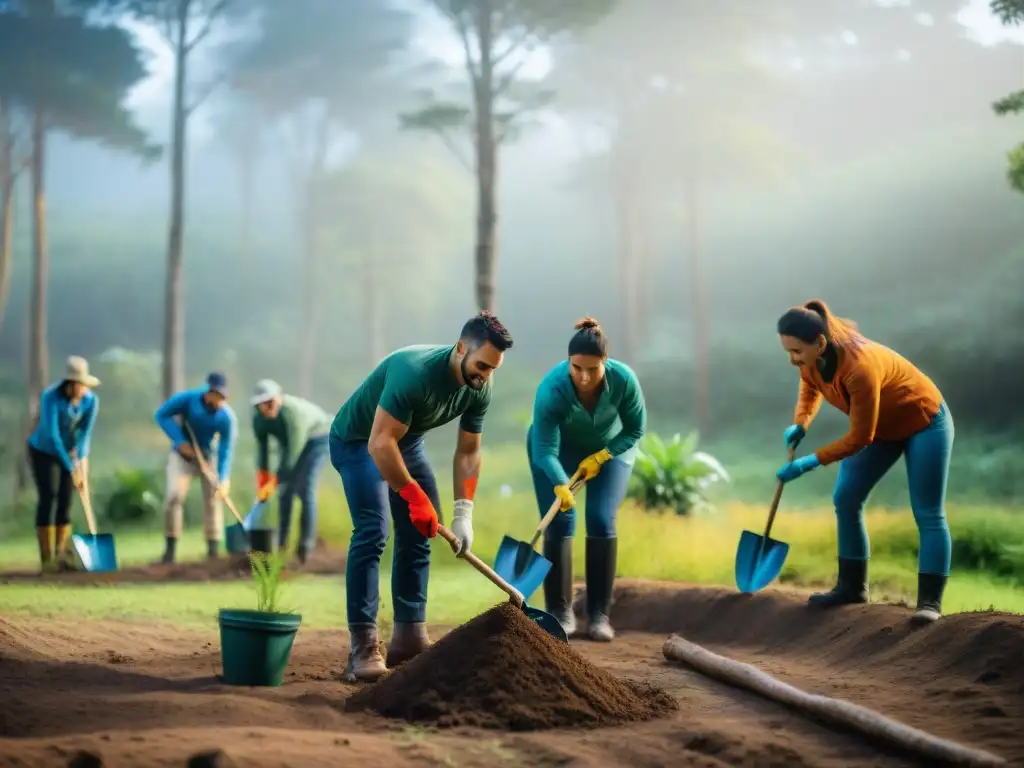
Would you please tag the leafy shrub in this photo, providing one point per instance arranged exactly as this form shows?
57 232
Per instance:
135 498
674 475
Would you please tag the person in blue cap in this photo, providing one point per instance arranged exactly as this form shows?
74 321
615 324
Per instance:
206 412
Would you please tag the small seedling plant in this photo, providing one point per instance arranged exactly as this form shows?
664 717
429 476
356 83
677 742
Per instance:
267 571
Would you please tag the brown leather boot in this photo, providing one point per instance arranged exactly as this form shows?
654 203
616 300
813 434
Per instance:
365 662
44 536
407 642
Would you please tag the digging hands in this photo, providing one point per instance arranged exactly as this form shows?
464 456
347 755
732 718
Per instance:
797 468
590 467
187 452
462 525
421 511
564 494
793 435
266 484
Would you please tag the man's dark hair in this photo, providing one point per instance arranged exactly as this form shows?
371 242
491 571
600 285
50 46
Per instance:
486 327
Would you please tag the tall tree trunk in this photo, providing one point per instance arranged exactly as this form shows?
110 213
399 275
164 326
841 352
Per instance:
174 305
38 354
310 225
8 174
701 344
486 169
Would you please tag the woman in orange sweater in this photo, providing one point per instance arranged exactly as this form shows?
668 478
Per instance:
895 410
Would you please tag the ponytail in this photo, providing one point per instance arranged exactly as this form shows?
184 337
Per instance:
839 330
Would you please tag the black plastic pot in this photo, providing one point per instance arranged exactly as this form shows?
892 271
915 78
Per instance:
262 540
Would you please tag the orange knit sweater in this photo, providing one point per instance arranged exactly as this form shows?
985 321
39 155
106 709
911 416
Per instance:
884 394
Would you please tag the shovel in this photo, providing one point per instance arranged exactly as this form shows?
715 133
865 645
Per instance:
545 620
519 563
96 551
237 535
759 559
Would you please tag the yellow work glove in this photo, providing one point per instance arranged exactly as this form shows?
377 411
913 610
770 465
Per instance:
563 494
591 466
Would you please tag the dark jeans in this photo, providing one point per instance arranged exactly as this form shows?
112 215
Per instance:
303 481
927 455
369 502
53 484
605 493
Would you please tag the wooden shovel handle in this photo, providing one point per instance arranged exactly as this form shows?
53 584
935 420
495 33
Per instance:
514 594
211 478
83 494
552 514
776 499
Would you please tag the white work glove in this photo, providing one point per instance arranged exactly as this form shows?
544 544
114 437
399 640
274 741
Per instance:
462 524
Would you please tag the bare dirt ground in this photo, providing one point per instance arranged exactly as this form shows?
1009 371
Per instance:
137 694
324 559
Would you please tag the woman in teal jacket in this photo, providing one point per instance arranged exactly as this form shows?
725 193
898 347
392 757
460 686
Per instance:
588 416
58 449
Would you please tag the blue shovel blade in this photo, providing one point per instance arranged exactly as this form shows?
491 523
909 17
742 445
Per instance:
255 515
758 561
521 566
547 622
96 551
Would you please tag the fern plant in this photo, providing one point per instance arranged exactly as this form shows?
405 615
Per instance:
267 570
674 475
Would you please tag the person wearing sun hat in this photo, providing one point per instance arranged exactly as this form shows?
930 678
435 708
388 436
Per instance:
60 441
301 429
206 412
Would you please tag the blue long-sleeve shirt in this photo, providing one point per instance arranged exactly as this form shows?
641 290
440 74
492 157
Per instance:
188 407
617 422
64 427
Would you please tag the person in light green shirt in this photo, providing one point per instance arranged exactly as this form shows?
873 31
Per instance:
301 429
588 416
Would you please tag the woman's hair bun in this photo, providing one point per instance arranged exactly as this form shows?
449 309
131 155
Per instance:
588 323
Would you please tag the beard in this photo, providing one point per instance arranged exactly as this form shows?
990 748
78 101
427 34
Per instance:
474 380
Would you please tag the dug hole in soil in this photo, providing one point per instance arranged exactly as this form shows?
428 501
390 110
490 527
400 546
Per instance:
501 670
136 693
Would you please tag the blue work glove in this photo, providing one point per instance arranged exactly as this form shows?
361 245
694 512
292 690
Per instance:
793 435
797 467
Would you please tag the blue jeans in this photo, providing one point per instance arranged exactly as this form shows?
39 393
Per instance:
927 455
303 481
605 493
369 502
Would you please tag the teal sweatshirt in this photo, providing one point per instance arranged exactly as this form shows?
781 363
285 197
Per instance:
187 407
63 427
296 424
617 422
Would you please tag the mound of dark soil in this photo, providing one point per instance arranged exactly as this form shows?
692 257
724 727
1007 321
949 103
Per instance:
501 670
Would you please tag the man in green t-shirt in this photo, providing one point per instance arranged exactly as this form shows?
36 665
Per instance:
376 445
300 429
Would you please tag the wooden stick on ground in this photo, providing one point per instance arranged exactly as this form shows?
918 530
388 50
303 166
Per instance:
840 712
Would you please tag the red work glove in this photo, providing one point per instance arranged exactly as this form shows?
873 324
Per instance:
265 484
421 511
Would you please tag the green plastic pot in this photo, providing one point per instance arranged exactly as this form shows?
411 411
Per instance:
255 646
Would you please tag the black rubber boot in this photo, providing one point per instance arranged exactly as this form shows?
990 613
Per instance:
850 588
558 582
170 549
601 560
212 550
929 598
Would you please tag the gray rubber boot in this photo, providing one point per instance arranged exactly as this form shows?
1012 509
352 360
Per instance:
407 642
558 582
851 587
601 560
365 661
929 598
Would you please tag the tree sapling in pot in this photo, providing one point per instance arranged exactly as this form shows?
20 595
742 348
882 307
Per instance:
256 645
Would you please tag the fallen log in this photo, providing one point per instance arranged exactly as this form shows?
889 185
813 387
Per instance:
836 711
